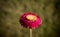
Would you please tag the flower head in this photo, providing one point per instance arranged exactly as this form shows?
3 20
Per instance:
30 20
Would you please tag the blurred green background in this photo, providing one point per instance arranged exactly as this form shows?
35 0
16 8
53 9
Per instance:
11 10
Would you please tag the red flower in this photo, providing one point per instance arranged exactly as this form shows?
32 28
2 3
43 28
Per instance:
30 20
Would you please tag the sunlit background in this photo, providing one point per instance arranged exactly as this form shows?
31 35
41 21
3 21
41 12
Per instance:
11 10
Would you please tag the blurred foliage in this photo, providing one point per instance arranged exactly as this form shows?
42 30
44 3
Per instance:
11 10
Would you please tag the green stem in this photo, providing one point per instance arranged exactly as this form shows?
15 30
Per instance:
30 32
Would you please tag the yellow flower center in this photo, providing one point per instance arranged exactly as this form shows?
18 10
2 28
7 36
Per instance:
31 17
